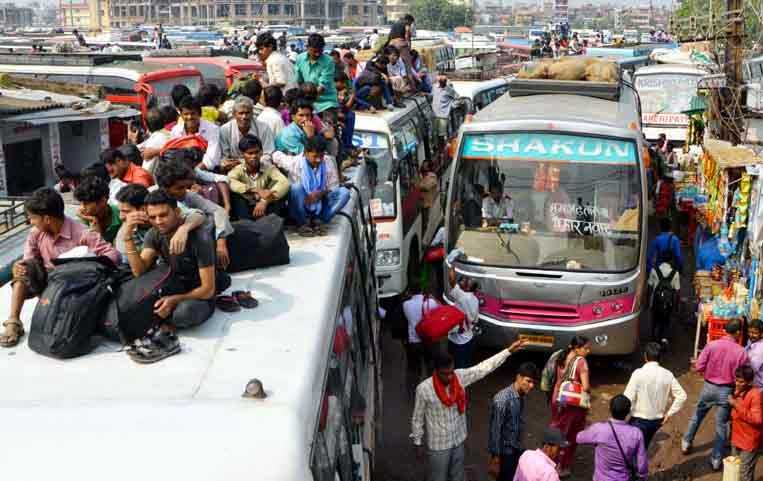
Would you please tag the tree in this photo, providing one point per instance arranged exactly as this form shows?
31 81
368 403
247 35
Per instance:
441 14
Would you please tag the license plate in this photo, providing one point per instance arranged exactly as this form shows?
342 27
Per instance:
532 339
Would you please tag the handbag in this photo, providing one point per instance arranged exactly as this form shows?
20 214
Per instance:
571 392
436 323
632 474
434 254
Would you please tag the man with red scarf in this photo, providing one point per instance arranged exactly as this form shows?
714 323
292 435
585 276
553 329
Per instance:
441 407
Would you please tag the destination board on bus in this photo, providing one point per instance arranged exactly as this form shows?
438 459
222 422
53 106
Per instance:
665 96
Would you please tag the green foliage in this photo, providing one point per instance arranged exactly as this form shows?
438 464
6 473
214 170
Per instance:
440 14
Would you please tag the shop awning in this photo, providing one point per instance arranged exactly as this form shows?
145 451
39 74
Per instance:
57 116
727 155
697 106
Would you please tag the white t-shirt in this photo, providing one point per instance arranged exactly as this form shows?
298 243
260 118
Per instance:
665 268
154 141
272 118
115 185
470 306
497 210
412 308
280 71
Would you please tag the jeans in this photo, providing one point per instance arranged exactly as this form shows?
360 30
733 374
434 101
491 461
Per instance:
192 312
331 204
712 395
349 129
448 464
749 460
648 428
509 464
462 354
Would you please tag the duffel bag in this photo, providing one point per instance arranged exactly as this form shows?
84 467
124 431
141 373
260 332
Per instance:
69 309
258 243
436 323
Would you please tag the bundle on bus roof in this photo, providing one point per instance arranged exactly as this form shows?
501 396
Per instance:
572 68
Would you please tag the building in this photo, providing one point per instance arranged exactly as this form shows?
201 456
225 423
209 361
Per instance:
395 9
307 13
74 14
561 11
13 16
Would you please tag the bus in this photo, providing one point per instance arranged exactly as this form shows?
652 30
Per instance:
481 94
137 84
313 343
397 143
221 71
567 255
666 91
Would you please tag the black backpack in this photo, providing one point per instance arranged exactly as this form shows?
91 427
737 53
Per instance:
258 243
71 306
664 298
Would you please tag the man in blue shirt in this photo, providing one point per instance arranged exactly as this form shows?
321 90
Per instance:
317 68
665 248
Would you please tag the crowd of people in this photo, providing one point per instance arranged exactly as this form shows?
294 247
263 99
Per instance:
173 195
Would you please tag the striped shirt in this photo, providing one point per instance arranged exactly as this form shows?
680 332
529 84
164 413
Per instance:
506 422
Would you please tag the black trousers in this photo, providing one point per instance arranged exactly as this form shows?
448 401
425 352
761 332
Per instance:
509 462
241 208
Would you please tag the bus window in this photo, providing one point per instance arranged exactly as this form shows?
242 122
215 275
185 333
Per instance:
380 174
163 88
113 84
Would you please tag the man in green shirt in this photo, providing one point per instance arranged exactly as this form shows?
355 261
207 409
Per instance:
256 189
314 67
95 210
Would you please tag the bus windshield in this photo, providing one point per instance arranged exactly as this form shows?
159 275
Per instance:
547 201
163 88
665 96
380 172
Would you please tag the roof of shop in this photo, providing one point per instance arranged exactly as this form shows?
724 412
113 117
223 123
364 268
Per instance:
67 114
12 105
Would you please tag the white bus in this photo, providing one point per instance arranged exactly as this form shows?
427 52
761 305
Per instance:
398 142
312 342
481 94
666 91
565 253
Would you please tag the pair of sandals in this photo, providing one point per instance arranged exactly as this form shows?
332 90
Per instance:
12 338
154 347
312 230
235 301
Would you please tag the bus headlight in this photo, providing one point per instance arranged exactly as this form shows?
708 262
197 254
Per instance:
387 257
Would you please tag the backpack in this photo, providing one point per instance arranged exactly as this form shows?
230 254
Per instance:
257 243
548 375
71 307
663 298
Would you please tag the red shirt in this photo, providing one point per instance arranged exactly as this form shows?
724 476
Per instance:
747 421
138 175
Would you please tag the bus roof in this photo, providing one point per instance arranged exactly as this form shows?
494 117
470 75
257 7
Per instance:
129 70
381 120
186 415
221 61
470 88
557 107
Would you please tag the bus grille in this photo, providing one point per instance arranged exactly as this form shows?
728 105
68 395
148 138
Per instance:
539 311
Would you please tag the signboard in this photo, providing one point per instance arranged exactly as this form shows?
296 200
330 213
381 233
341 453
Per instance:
543 147
665 119
370 140
715 81
103 127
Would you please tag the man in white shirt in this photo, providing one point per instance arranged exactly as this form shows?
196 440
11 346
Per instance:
151 147
649 389
279 68
190 112
270 115
496 207
460 338
440 412
416 354
243 123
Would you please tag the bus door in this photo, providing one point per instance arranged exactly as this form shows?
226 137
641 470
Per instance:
406 146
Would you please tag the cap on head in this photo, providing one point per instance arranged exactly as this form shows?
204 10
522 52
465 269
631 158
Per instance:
554 437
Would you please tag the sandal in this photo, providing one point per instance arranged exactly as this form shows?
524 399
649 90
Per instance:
153 349
11 337
306 231
245 299
227 303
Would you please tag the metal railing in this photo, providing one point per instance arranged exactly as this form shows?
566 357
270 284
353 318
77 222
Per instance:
13 216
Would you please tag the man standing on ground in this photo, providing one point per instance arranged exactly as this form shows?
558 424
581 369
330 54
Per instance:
620 454
649 390
746 421
540 464
440 410
416 354
754 350
718 361
507 422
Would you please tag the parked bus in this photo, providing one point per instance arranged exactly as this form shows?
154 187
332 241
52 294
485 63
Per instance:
398 142
666 91
313 343
565 255
221 71
481 94
137 84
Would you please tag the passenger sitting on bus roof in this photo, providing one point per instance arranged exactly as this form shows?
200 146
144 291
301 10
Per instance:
396 70
339 66
257 189
176 178
152 146
243 123
95 210
315 195
290 99
119 167
353 67
292 138
421 72
209 97
178 93
271 116
194 269
496 207
346 98
190 112
132 212
131 152
316 67
52 234
279 68
372 85
98 169
67 181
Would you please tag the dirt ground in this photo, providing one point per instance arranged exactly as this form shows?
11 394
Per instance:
395 459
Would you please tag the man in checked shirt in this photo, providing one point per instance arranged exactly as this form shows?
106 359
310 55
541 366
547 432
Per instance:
441 407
